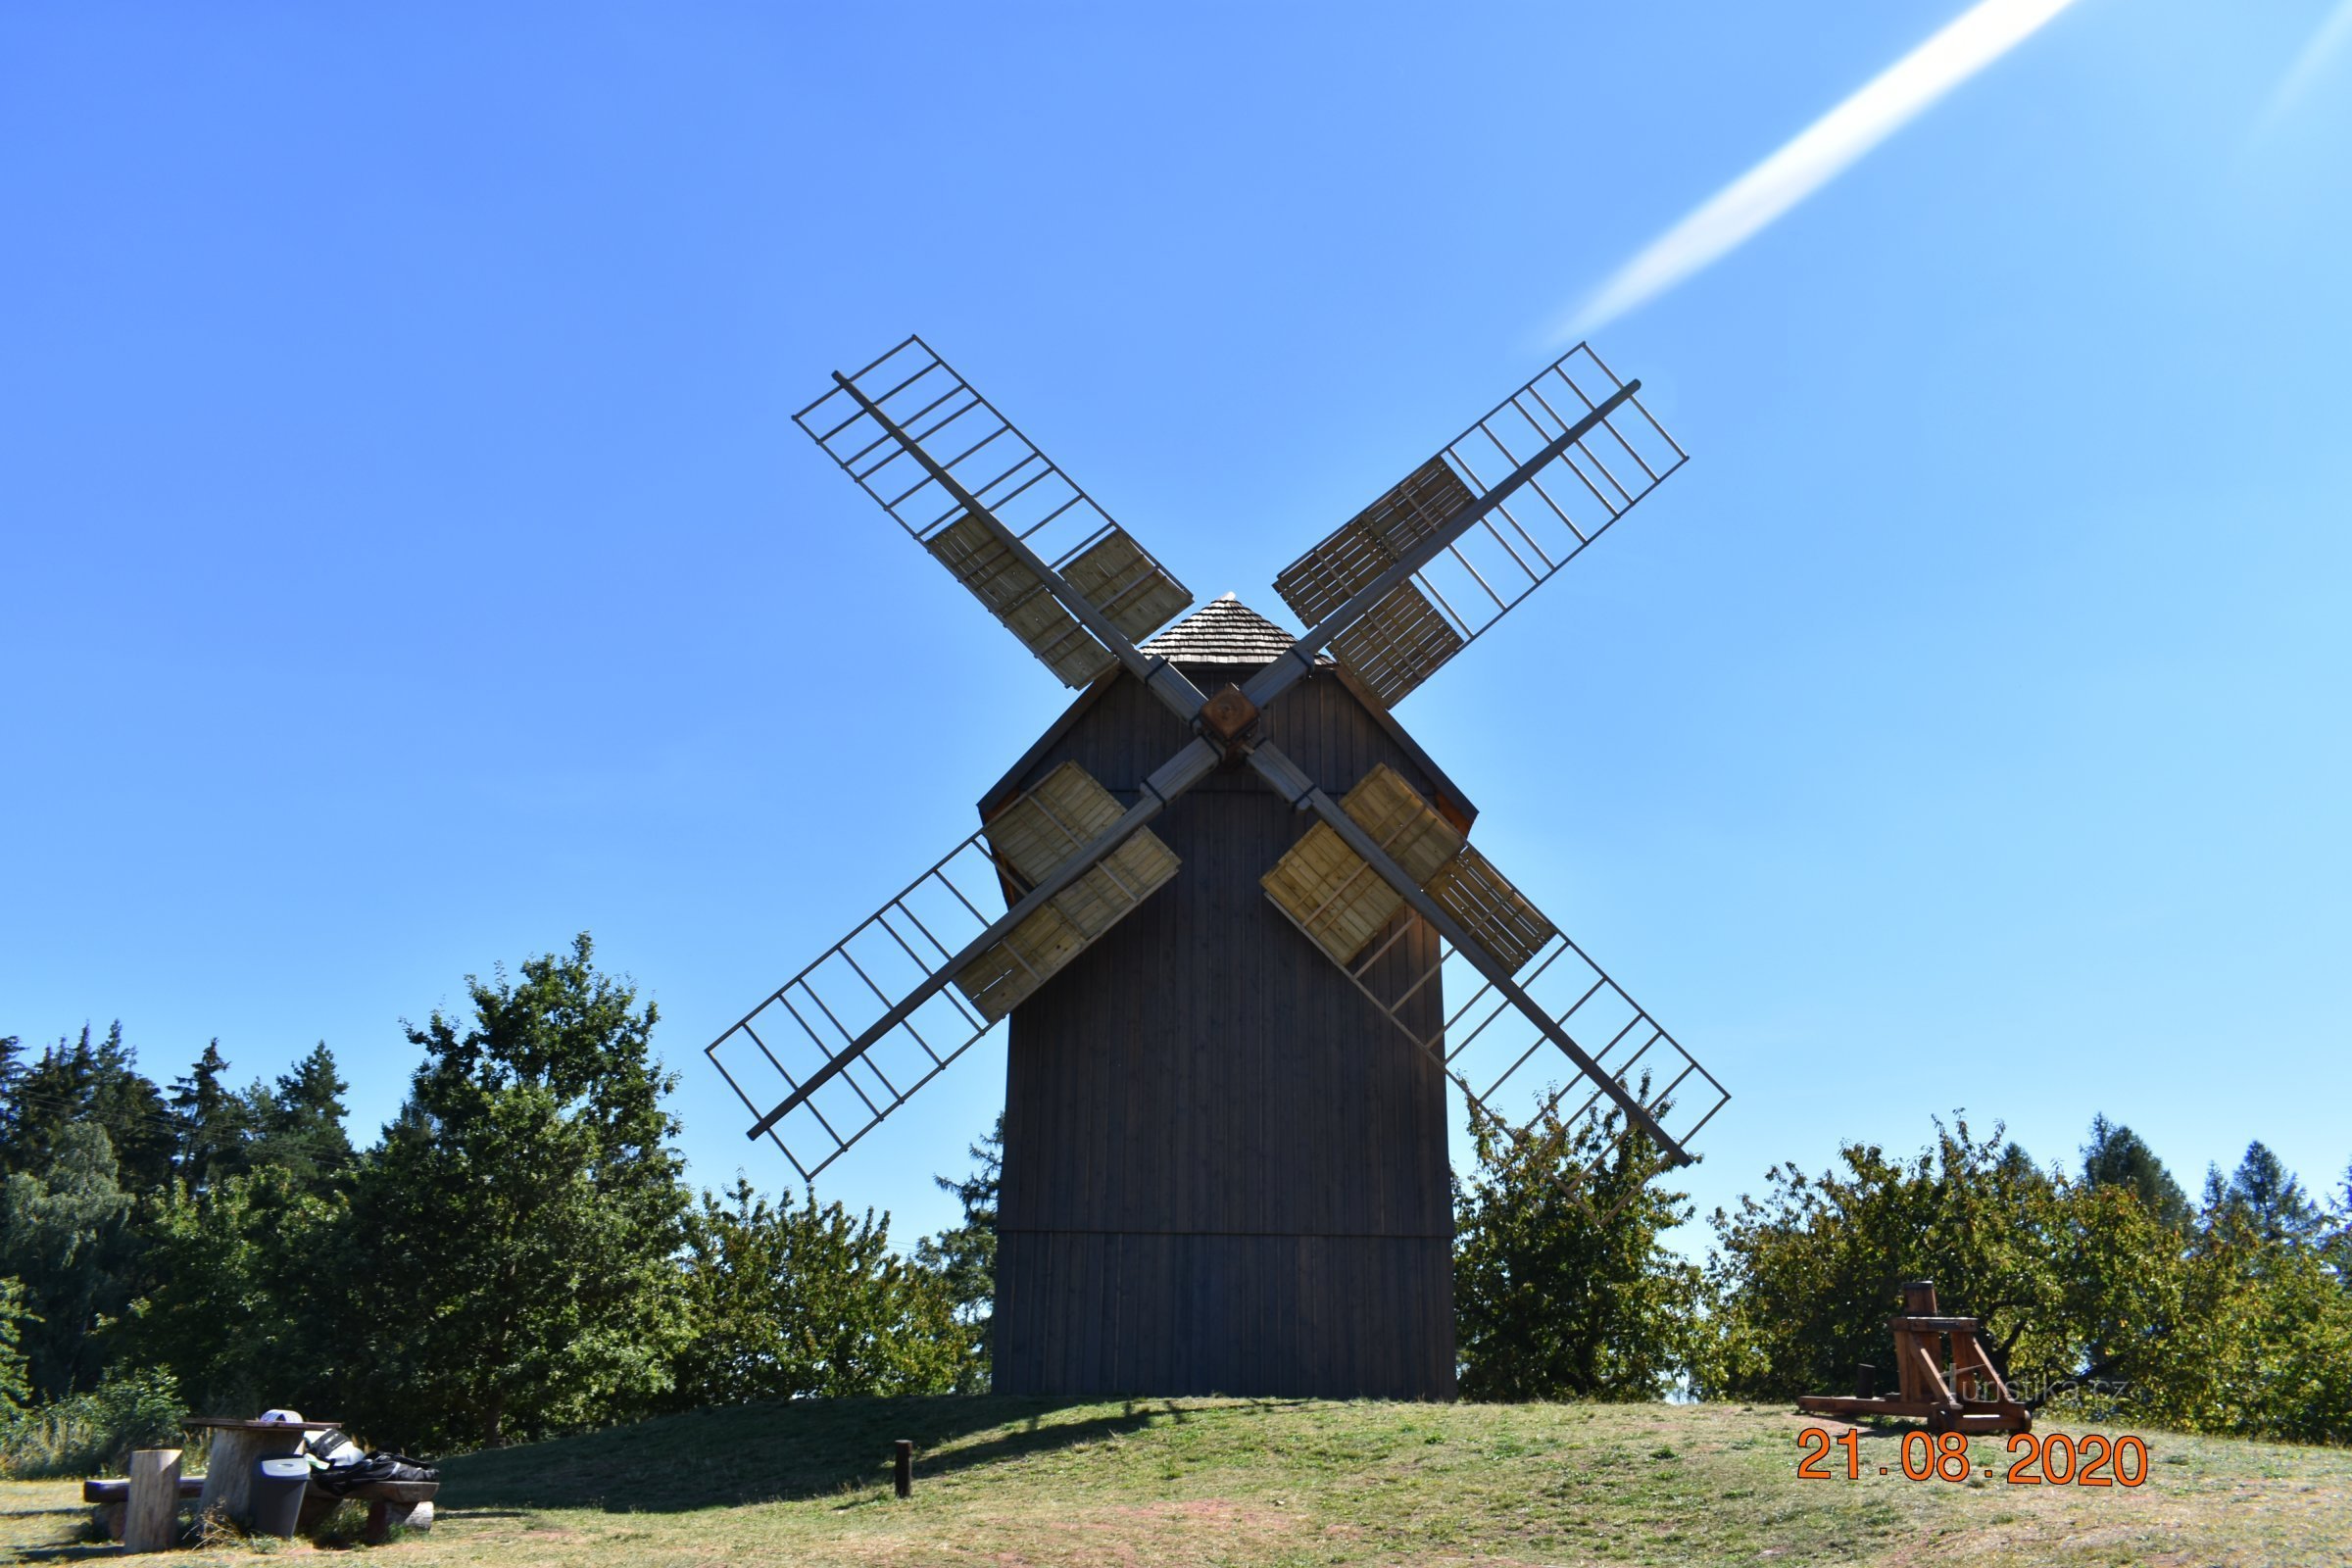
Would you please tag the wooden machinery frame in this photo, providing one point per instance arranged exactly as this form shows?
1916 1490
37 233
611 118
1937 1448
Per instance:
1960 1403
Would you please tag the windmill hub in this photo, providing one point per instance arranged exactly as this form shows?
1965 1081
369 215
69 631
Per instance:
1226 1161
1229 715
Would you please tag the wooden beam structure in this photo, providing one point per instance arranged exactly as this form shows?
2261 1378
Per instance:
1972 1400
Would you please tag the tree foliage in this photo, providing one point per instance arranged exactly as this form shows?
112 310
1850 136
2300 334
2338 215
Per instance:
89 1083
2116 1156
514 1235
15 1386
785 1301
2264 1196
1563 1288
249 1305
2235 1321
65 1232
965 1255
1807 1276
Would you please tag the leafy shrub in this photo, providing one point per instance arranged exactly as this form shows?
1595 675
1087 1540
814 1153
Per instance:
93 1433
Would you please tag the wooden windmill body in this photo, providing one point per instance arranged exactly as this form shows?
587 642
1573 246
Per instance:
1231 911
1224 1171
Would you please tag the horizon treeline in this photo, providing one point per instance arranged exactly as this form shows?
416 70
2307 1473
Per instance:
517 1256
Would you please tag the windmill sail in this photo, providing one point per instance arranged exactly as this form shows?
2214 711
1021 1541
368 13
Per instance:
979 496
890 1005
1543 520
1511 1068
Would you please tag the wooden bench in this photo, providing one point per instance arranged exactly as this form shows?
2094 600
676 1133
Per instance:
407 1503
110 1498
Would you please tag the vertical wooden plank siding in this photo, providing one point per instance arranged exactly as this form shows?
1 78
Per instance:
1224 1172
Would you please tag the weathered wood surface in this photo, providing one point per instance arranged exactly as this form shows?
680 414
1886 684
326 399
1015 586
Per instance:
397 1504
408 1503
115 1489
151 1516
1224 1171
237 1448
111 1496
1975 1419
1973 1400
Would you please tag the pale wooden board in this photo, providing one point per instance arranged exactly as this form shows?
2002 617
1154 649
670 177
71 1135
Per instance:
1017 597
1490 908
1402 823
1397 644
1372 540
1034 841
1050 824
1126 585
151 1517
1001 978
1334 895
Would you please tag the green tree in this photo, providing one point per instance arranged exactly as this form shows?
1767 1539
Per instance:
2271 1198
2255 1339
240 1307
212 1122
786 1303
15 1386
297 1123
517 1229
965 1255
1563 1286
63 1231
2116 1156
1807 1277
12 1103
94 1082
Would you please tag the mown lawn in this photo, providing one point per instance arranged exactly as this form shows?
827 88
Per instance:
1006 1482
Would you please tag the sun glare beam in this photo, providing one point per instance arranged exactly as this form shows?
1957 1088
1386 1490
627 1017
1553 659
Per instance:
1818 154
2316 56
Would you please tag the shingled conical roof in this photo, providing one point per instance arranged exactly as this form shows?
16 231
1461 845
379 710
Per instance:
1223 631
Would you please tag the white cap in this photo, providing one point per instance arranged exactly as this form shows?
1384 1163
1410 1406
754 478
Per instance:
288 1418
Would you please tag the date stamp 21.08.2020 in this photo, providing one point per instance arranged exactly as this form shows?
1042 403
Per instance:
2052 1458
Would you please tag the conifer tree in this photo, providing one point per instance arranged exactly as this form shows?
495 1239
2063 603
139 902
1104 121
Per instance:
298 1122
965 1255
520 1220
2271 1198
211 1121
2116 1156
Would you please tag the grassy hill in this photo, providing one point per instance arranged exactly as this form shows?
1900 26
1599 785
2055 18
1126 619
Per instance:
1190 1482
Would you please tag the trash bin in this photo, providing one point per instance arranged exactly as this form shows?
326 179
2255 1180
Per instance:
277 1487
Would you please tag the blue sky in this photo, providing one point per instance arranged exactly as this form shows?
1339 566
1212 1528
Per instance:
407 560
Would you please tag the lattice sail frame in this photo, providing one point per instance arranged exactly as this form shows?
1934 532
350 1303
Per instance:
1027 492
1492 1050
813 1019
1479 578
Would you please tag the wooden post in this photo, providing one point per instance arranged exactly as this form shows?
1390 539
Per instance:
228 1473
906 1467
151 1517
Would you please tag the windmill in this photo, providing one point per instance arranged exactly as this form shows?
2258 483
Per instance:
1221 901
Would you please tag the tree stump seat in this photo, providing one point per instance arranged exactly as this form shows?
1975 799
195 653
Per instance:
407 1503
109 1498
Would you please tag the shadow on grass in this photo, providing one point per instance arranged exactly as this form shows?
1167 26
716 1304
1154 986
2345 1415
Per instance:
777 1451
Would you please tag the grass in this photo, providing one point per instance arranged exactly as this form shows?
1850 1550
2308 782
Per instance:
1167 1482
